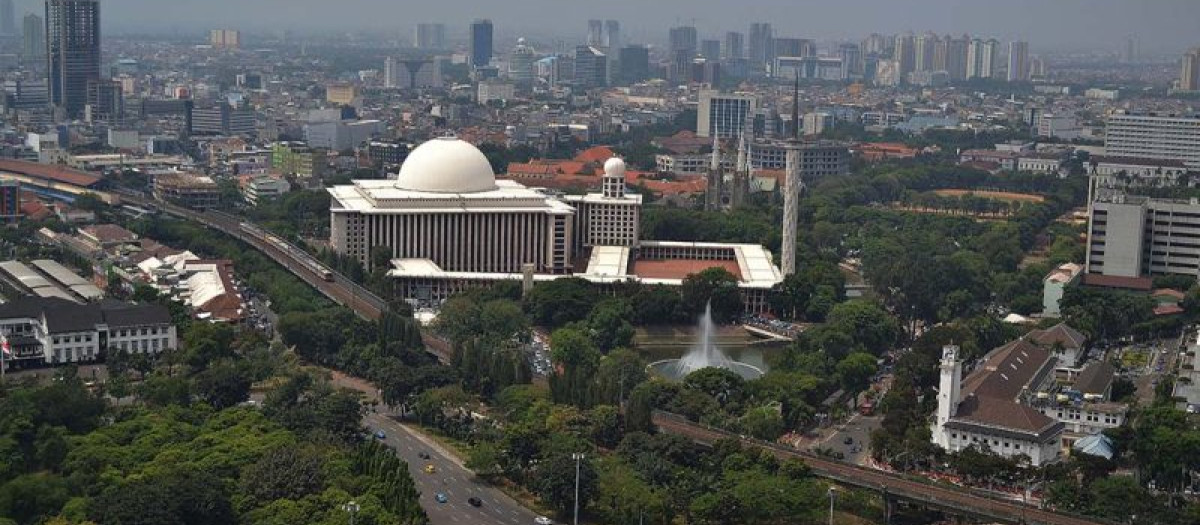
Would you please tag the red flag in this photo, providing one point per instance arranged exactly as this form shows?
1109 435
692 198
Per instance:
7 350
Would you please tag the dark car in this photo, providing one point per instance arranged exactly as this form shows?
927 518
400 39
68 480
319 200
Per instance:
423 455
849 440
380 435
475 502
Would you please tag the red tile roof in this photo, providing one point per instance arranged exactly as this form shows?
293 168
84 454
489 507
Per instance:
52 172
1112 281
595 154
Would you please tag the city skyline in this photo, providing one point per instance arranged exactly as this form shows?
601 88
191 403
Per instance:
1067 24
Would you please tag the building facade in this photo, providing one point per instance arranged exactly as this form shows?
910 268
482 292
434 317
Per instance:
481 43
73 52
1162 136
724 114
1136 236
56 331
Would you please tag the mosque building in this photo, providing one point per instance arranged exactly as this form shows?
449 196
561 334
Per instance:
450 225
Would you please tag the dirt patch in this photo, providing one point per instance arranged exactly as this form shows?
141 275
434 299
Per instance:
997 195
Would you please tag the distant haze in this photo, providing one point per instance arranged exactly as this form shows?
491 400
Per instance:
1163 25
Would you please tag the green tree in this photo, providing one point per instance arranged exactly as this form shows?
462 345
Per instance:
716 287
561 301
855 371
224 384
30 498
555 483
609 324
289 472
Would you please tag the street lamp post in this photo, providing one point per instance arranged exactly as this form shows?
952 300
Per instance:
578 456
351 508
832 494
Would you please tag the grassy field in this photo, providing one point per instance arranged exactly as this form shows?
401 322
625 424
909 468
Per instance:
997 195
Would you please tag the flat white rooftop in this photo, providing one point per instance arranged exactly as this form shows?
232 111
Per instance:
385 197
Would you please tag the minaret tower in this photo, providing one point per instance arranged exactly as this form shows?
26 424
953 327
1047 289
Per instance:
791 188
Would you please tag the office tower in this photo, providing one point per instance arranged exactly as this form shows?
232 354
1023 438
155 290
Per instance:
852 64
72 52
735 45
34 45
710 49
724 114
520 65
905 54
762 41
1154 136
595 34
429 36
481 43
612 34
412 73
683 37
957 50
925 46
8 21
680 67
591 67
941 50
1137 236
1018 61
1037 68
1189 74
794 47
634 63
104 102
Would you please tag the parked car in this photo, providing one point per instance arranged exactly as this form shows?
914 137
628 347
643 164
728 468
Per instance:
441 498
380 435
475 502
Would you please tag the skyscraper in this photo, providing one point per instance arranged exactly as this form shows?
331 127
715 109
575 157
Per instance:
72 52
481 43
710 49
852 64
1189 74
634 63
957 50
683 37
982 58
612 34
925 44
1018 61
34 44
520 65
905 54
735 45
595 35
8 22
429 36
762 42
591 67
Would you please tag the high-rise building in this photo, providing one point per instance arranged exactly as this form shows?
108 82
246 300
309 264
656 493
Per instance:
876 44
1130 53
612 34
520 65
957 50
1154 136
634 64
724 114
595 34
762 43
1018 61
225 38
710 49
852 64
982 58
1189 73
591 67
73 52
735 46
925 45
794 47
412 73
429 36
34 44
10 200
905 54
481 43
683 37
104 102
8 20
1137 236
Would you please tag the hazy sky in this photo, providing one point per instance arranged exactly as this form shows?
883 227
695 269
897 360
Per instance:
1159 24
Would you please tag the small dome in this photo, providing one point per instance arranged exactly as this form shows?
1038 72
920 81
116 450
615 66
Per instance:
614 167
446 165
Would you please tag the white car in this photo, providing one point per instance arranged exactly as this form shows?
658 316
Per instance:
542 520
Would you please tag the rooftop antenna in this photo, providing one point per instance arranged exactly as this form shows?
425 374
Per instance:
796 107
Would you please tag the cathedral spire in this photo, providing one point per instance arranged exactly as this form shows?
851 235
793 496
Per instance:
715 161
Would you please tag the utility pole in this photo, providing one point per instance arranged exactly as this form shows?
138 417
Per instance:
351 508
578 456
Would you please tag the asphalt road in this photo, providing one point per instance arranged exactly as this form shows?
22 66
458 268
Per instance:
449 478
858 428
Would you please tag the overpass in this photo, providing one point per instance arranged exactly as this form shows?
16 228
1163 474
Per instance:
894 487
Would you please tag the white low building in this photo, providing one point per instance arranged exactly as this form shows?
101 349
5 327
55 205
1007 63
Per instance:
56 331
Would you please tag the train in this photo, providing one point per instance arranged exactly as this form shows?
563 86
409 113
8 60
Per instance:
303 258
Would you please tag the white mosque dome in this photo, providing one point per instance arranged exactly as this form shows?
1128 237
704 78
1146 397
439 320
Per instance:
614 167
446 165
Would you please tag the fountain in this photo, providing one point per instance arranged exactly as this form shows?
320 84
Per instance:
704 354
